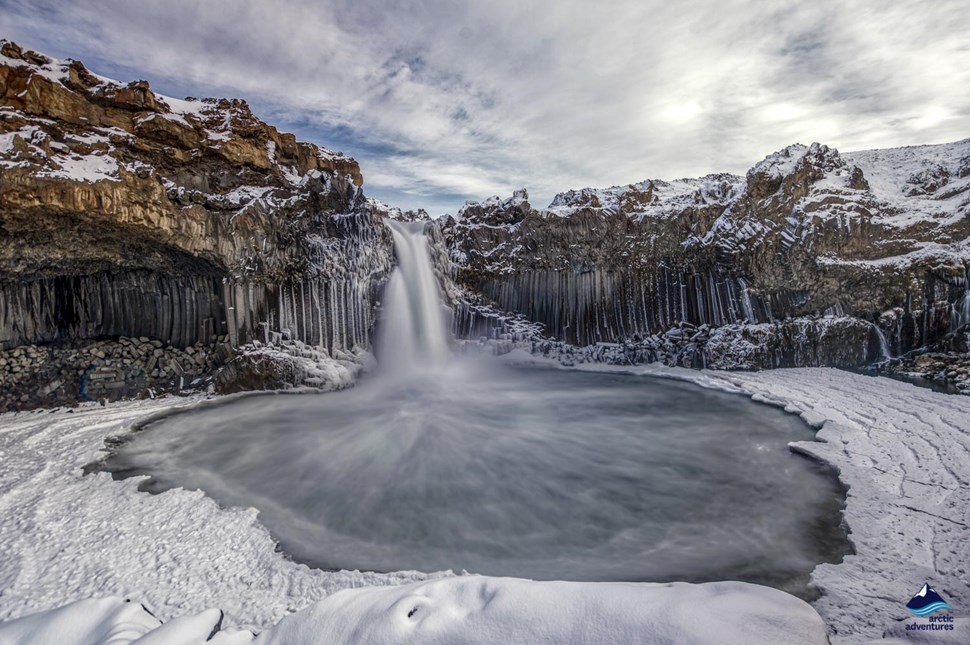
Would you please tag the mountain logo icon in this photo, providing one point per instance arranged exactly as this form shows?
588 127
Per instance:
926 601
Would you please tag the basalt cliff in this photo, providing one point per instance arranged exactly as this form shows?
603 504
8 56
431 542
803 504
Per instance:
148 244
813 258
143 238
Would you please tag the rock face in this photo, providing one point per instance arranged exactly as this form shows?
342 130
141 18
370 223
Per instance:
105 370
191 223
808 238
124 213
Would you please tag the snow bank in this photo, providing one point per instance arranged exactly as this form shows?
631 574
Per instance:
67 536
117 621
903 451
481 610
470 610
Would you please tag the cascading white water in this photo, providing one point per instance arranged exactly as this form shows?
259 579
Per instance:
414 333
960 314
883 343
468 464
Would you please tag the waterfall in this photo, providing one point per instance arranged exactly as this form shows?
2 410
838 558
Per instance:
883 343
413 326
960 314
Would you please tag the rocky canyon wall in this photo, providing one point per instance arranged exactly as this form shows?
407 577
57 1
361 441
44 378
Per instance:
127 213
818 257
144 239
192 223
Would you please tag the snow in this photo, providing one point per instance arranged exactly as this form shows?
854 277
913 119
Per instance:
92 138
467 610
86 168
782 163
63 163
247 194
904 453
312 367
117 621
212 135
914 194
668 197
891 172
184 106
54 71
955 253
101 620
482 610
6 142
65 539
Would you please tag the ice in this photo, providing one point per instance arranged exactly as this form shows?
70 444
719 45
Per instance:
67 536
903 451
571 476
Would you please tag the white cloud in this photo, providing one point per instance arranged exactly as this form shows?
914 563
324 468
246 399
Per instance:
443 100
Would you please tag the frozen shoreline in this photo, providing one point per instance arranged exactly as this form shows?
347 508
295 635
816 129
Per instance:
903 451
69 536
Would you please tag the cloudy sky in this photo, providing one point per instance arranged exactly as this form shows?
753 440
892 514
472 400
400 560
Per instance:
445 100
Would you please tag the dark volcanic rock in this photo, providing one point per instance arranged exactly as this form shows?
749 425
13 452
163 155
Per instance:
808 232
105 370
125 213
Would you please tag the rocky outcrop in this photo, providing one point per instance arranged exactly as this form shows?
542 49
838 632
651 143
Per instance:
808 236
193 224
106 370
797 342
287 364
126 213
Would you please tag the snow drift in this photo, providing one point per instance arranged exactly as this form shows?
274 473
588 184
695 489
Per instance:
468 610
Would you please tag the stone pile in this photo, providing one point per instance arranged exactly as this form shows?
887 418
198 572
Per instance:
34 376
952 368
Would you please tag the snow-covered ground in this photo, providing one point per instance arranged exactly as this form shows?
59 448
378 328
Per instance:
67 536
466 610
904 452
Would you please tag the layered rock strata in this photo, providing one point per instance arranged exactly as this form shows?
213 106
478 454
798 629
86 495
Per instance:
124 213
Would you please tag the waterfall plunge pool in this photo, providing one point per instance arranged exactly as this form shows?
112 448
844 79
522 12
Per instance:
544 474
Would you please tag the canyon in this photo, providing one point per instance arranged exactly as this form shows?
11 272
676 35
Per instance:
151 244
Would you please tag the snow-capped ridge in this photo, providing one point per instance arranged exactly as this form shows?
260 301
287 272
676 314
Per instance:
650 198
393 212
782 162
223 125
519 197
